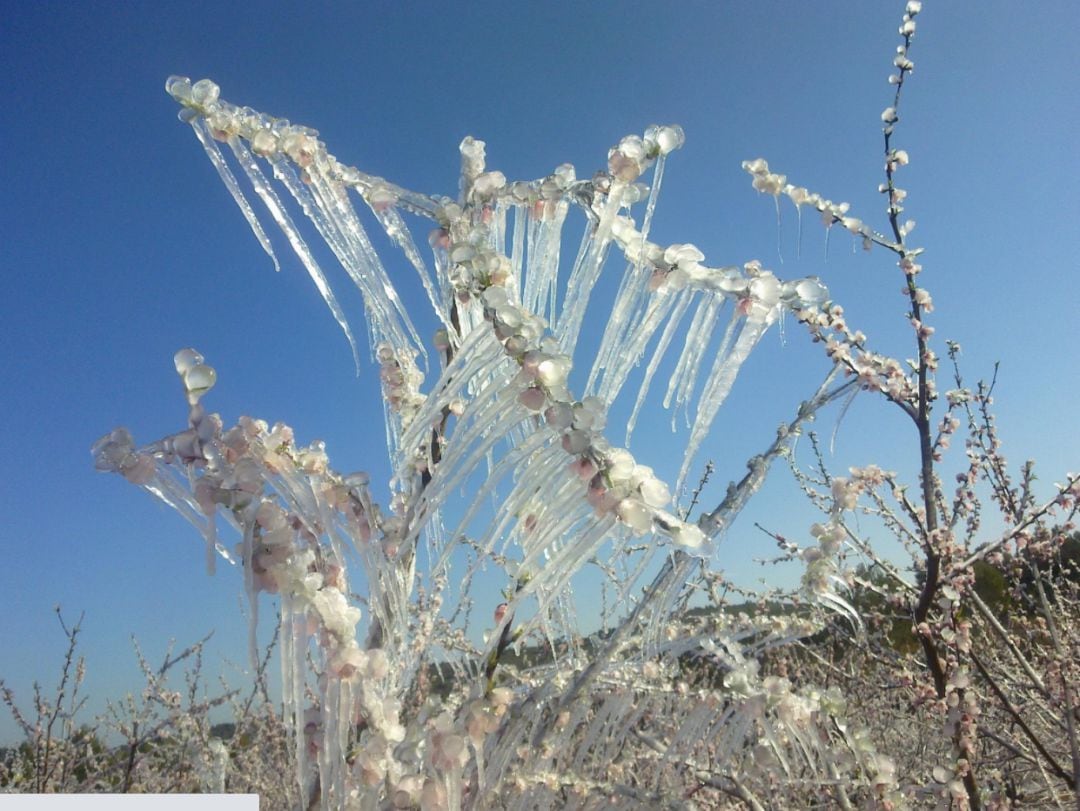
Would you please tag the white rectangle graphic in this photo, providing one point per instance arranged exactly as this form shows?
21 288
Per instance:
129 802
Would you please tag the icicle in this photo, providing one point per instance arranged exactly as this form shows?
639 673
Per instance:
337 206
579 531
585 274
463 454
378 318
650 206
165 487
632 289
479 355
288 706
478 755
633 345
683 298
298 663
840 417
779 230
682 381
661 605
509 463
530 294
203 132
251 591
634 286
628 583
717 387
543 263
798 239
398 231
517 253
285 223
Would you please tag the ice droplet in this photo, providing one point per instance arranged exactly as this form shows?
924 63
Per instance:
204 92
186 359
198 380
179 87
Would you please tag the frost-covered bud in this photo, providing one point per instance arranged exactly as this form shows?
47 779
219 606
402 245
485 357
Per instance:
448 750
408 791
634 514
264 143
179 87
223 125
338 617
654 492
620 465
627 160
670 138
473 157
205 92
559 416
381 198
765 290
575 441
139 469
798 195
496 297
584 468
186 359
300 147
532 398
553 371
686 255
689 536
198 380
852 224
488 183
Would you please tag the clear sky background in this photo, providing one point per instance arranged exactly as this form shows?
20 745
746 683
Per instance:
120 245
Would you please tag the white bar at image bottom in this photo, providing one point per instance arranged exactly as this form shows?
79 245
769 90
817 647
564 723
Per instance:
129 802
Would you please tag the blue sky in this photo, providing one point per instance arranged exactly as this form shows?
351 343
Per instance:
121 246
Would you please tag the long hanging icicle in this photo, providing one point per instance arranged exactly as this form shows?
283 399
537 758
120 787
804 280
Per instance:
398 231
628 299
285 223
721 378
681 385
584 275
683 301
368 273
202 131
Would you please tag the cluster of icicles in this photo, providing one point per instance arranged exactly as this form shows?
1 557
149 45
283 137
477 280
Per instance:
359 746
567 496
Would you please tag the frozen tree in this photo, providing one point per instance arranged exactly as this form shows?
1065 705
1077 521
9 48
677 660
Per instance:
394 699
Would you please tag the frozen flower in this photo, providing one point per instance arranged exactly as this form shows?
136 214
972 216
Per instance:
689 536
634 514
532 398
448 751
922 298
336 614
